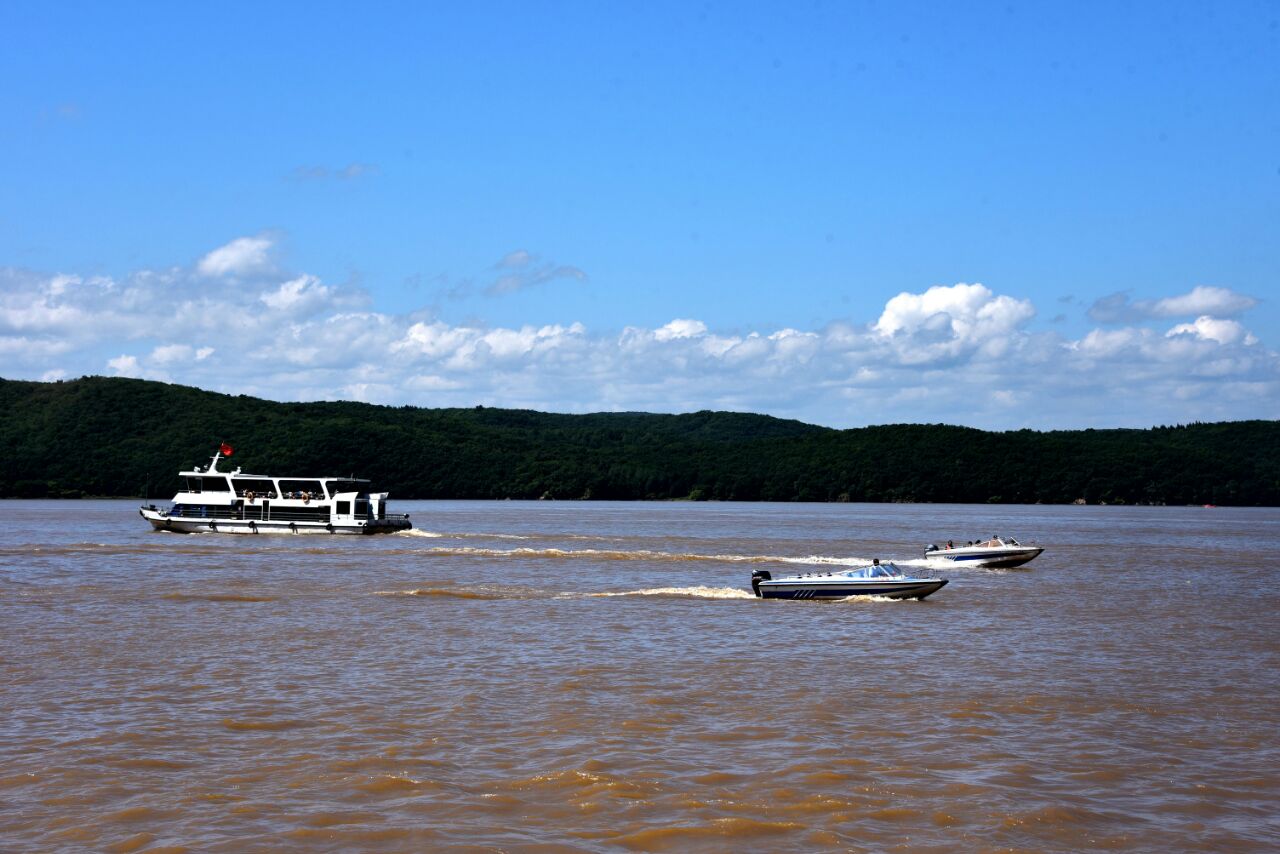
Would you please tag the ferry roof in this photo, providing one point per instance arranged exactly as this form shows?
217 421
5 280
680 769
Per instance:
211 472
212 469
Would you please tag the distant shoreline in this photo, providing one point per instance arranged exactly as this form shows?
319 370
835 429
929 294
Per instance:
106 437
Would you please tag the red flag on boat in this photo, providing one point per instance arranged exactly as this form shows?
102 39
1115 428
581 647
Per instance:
226 450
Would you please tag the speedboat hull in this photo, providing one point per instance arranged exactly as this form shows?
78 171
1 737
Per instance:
1000 557
787 589
883 581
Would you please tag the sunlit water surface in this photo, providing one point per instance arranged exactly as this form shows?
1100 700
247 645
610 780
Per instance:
596 676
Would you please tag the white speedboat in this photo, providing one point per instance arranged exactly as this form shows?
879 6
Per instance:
237 503
878 579
995 552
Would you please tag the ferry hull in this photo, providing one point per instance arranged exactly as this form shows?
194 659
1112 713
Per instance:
190 525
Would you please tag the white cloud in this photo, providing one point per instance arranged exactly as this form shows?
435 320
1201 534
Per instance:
1202 299
59 284
171 354
168 353
1108 342
960 353
432 340
19 349
1214 329
680 328
304 291
792 345
949 322
964 313
242 256
431 383
125 366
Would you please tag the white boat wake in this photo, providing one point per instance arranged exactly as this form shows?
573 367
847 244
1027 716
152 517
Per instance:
700 592
527 552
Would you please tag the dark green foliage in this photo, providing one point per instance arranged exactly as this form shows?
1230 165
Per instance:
100 436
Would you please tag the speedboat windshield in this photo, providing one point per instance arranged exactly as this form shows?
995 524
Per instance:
880 570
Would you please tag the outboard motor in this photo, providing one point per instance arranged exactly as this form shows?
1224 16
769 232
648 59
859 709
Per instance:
930 548
757 576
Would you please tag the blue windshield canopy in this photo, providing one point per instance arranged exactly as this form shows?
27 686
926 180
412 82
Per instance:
884 570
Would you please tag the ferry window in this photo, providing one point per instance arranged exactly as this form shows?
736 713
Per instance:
344 507
213 484
295 488
192 484
257 487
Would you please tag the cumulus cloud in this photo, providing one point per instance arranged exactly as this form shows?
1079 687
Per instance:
242 256
964 312
948 322
680 328
465 348
1200 300
959 353
304 291
1209 328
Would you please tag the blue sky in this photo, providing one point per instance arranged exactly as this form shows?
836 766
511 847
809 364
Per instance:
581 207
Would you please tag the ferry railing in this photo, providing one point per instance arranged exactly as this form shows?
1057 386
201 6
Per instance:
208 512
253 512
285 514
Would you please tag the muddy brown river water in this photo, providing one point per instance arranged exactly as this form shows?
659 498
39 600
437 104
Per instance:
583 676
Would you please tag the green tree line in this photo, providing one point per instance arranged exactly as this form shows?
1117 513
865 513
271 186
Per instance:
121 437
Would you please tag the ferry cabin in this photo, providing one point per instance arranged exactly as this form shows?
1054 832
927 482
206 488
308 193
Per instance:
235 502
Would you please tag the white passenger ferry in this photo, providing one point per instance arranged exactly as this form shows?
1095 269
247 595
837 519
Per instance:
238 503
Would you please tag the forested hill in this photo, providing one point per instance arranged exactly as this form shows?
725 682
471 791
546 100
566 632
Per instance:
111 436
